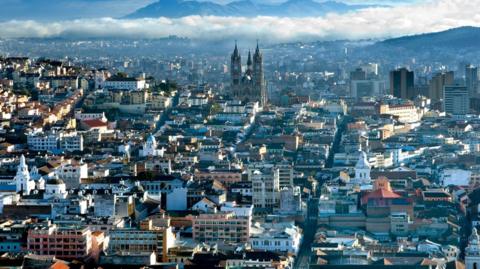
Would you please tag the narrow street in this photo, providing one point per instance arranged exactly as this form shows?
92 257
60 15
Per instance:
309 229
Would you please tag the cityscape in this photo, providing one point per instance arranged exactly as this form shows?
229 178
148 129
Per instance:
184 134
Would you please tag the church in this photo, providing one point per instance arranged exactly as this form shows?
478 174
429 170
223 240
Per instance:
249 86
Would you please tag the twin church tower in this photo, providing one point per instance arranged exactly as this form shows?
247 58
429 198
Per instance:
250 85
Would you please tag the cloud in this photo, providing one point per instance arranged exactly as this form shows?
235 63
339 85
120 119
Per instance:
367 23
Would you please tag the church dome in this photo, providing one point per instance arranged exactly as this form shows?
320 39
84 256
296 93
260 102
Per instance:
362 161
151 139
474 237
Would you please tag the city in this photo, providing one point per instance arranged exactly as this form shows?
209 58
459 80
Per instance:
237 150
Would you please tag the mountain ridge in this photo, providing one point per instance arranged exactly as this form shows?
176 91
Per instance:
243 8
459 37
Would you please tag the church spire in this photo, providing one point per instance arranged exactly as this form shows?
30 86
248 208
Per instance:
249 61
22 179
235 51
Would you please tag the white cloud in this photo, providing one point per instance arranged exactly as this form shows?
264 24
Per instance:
368 23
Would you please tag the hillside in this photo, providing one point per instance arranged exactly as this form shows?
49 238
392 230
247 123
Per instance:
246 8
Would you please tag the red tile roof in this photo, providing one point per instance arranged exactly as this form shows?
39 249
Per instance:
95 123
379 194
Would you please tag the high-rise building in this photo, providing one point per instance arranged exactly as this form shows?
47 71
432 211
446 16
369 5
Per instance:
358 74
250 86
438 81
471 80
456 100
402 83
265 187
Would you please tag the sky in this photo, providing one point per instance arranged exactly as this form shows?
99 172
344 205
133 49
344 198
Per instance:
408 18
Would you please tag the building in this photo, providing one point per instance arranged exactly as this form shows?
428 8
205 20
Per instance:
55 188
251 86
472 251
221 227
285 174
22 179
405 113
402 83
145 239
471 80
53 141
149 148
265 188
124 83
367 88
456 100
43 142
358 74
362 170
62 242
438 81
79 115
72 172
282 237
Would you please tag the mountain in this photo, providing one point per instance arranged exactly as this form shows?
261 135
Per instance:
246 8
454 45
48 10
466 37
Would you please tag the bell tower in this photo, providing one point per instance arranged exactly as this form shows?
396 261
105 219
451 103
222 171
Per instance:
235 70
472 251
258 76
24 184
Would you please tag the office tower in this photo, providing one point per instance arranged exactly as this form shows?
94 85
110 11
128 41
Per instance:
456 100
367 88
358 74
401 83
471 80
371 69
438 81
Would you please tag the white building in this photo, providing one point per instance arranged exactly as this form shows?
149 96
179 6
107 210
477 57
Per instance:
71 142
79 115
72 173
239 210
43 142
472 251
149 148
52 141
22 179
362 170
124 83
265 188
406 113
55 188
291 201
276 237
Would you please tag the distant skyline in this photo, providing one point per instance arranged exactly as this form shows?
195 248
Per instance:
382 22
